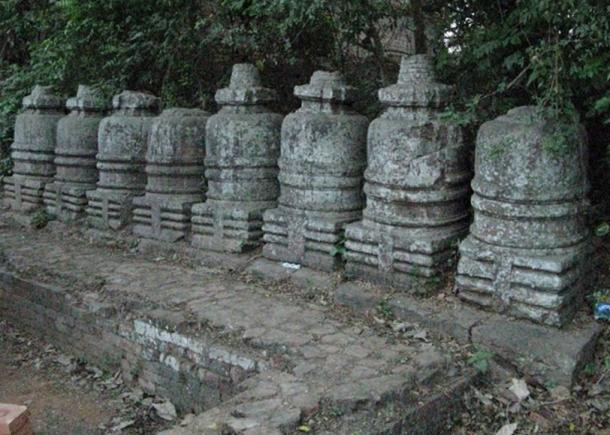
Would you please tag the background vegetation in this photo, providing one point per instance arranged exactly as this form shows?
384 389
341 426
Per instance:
498 53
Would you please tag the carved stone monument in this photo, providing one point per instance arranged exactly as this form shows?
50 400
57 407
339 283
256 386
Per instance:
321 169
33 149
416 185
75 153
174 170
122 139
243 145
527 251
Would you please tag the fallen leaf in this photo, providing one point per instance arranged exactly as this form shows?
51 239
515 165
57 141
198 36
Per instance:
507 429
421 335
485 399
378 320
560 393
304 429
64 360
188 419
519 388
123 425
401 326
166 410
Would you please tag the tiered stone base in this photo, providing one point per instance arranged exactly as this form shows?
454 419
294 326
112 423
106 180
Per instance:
108 210
544 286
66 201
311 241
225 227
23 193
161 219
386 257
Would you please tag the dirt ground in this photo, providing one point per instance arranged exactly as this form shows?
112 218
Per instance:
66 396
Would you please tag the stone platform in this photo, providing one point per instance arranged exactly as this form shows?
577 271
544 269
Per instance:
247 359
551 356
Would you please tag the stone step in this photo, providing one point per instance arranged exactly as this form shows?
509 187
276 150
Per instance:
248 359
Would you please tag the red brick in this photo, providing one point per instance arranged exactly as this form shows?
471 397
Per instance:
14 419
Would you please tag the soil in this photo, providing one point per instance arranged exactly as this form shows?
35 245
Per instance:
66 396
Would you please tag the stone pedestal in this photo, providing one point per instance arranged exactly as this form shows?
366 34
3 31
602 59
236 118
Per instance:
122 139
416 186
528 250
321 167
243 145
174 170
75 153
33 149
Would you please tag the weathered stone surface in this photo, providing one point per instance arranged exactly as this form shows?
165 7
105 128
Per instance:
416 184
122 139
529 243
33 149
546 354
321 167
255 363
243 145
174 170
75 152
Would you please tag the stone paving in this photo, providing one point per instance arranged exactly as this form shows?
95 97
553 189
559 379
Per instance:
302 359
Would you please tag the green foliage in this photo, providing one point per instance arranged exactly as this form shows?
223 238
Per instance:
384 309
339 249
6 167
600 296
603 229
589 369
499 54
480 359
552 53
40 219
181 50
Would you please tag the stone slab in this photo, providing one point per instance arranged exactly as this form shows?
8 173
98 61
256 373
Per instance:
301 277
550 355
254 363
